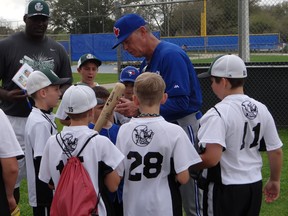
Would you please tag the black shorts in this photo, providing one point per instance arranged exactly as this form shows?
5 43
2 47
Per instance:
236 200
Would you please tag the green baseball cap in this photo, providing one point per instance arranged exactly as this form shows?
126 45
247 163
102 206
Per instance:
41 79
36 8
88 57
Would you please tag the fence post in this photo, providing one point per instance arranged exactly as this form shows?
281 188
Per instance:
119 56
243 30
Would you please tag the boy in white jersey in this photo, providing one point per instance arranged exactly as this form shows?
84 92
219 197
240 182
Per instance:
157 154
230 136
100 157
44 87
87 67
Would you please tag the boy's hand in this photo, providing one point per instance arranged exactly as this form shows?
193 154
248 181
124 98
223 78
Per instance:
271 191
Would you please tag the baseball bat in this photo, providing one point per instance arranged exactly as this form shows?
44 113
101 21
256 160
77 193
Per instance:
110 104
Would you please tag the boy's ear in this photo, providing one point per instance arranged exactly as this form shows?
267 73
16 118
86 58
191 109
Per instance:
135 100
164 98
78 70
42 92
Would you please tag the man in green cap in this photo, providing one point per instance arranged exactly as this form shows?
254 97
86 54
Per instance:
33 47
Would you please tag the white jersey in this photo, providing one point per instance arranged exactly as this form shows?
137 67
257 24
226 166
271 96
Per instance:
239 123
150 146
39 127
99 150
9 146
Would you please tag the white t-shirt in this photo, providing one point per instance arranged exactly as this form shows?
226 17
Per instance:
149 146
39 127
9 146
238 123
99 150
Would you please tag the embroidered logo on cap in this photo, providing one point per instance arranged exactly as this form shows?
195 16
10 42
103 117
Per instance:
39 6
89 56
116 31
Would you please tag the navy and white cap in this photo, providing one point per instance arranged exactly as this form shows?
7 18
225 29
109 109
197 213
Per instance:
228 66
78 99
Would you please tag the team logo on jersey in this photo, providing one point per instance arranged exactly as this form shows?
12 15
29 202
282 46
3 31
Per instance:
116 31
142 136
70 143
249 109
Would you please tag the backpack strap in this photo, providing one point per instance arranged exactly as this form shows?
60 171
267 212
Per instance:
68 154
86 144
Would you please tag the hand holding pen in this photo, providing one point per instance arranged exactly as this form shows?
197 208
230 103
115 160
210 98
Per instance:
27 98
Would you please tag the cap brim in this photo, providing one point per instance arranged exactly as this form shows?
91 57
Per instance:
204 75
124 37
96 61
127 80
62 81
37 14
100 101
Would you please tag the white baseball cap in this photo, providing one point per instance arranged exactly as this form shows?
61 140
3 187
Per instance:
41 79
228 66
78 99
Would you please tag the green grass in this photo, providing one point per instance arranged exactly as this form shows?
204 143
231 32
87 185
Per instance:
101 78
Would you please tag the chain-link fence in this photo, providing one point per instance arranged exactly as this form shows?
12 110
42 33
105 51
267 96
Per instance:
205 28
255 30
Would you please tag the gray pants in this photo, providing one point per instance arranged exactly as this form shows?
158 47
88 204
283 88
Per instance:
192 196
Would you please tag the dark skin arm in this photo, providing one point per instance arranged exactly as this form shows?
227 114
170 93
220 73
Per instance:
13 95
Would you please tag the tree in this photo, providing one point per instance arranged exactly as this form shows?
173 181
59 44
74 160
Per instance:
5 27
87 16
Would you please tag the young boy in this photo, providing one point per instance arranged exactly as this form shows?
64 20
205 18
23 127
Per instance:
43 87
127 77
157 154
100 157
87 67
110 130
10 150
230 136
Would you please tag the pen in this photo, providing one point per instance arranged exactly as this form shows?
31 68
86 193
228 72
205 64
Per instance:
27 99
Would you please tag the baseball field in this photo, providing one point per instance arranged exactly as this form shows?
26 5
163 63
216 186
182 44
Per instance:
278 208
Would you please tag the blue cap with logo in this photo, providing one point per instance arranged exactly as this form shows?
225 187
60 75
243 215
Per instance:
125 26
129 74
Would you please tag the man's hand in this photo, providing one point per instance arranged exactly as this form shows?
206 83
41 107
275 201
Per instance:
127 108
13 95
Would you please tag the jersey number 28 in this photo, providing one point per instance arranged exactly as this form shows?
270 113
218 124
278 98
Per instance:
152 165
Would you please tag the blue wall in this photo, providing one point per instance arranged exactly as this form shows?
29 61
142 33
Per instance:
101 44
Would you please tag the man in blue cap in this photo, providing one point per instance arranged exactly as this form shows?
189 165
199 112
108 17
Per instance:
182 86
33 47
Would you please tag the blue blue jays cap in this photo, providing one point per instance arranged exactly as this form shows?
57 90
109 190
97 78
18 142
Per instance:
129 74
125 26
